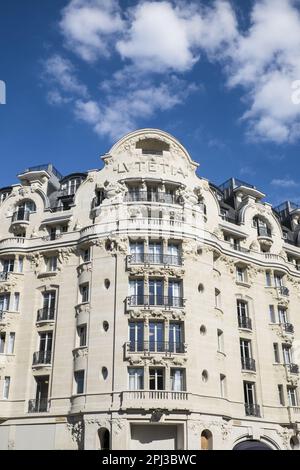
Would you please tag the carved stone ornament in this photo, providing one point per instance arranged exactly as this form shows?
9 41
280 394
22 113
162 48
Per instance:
80 352
76 428
118 425
285 434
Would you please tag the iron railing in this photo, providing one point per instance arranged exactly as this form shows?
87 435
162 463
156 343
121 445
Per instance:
41 357
282 290
38 406
155 301
21 215
248 364
156 346
252 410
147 196
288 327
245 322
293 368
45 314
3 276
149 258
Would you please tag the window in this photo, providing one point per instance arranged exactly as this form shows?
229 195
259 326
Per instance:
241 274
86 255
292 396
84 291
268 279
51 263
217 298
249 393
136 291
156 379
287 354
81 330
243 316
176 337
6 386
8 265
136 378
272 314
49 299
137 252
175 293
281 395
276 353
246 354
11 343
136 336
2 342
21 262
174 253
4 302
16 301
156 336
220 337
46 343
156 292
282 315
79 381
177 380
156 252
223 384
278 280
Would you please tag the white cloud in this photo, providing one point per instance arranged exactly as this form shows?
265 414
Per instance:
60 72
284 183
90 25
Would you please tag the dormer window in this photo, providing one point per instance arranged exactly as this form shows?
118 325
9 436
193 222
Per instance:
263 230
23 211
70 187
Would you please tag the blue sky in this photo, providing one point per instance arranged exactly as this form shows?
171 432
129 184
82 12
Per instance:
217 75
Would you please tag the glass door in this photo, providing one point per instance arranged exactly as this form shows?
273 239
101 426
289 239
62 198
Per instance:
155 253
176 338
136 291
137 252
156 336
156 292
136 379
156 379
177 380
136 336
174 253
175 293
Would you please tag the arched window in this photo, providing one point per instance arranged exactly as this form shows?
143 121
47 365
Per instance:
104 438
262 227
206 440
23 210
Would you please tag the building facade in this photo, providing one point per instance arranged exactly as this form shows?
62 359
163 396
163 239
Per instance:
143 307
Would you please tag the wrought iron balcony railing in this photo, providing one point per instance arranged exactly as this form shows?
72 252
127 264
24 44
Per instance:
150 258
264 232
41 357
248 364
245 322
155 301
156 347
147 196
21 215
45 314
293 368
282 290
38 406
252 410
288 327
3 276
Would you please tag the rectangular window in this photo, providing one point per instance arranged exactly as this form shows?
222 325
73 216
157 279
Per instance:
4 302
84 291
21 263
136 336
156 253
287 354
6 386
176 337
49 299
282 315
86 255
156 336
136 378
156 292
278 280
276 353
272 314
137 252
174 253
268 279
2 342
175 293
81 330
156 379
223 387
243 316
292 396
281 395
16 301
51 264
240 274
217 298
136 291
79 381
11 343
8 265
177 380
249 393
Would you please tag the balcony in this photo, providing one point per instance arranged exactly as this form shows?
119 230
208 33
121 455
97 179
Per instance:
149 301
283 291
148 347
293 368
3 276
143 399
252 410
145 196
45 315
245 323
149 258
248 364
21 216
38 406
41 358
288 327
